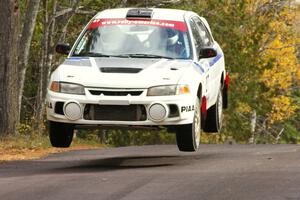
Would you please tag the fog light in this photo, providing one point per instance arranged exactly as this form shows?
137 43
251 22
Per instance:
72 110
157 112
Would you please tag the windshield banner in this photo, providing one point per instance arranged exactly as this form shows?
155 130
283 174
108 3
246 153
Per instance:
161 23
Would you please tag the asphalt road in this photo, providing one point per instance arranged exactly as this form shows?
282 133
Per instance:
157 172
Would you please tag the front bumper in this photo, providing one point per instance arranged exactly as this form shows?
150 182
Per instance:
183 103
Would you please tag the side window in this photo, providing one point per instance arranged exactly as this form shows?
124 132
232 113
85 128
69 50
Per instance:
196 36
204 34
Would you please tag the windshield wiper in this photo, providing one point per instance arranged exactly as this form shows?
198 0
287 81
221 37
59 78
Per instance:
140 55
91 54
95 54
134 55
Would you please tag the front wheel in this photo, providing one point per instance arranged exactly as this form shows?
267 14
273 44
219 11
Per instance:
60 134
188 136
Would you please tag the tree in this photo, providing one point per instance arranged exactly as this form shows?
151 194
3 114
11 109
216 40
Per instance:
280 58
30 15
9 20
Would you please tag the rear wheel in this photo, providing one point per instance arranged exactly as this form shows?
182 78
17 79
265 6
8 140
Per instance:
61 134
188 136
213 122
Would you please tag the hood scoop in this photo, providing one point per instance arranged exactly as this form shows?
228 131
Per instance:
120 70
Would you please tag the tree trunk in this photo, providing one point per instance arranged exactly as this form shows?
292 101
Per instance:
9 22
253 127
49 43
25 41
39 104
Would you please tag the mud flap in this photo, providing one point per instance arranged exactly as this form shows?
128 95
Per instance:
226 91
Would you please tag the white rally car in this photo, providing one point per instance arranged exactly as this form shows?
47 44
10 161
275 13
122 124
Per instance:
138 68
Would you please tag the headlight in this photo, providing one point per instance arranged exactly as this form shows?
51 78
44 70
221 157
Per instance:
168 90
68 88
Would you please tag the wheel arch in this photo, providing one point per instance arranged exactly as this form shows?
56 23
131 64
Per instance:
222 79
199 91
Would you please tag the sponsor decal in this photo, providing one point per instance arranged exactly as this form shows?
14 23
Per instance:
199 67
161 23
216 59
187 108
78 61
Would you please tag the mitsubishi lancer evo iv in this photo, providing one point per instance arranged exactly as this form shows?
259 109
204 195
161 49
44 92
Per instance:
140 68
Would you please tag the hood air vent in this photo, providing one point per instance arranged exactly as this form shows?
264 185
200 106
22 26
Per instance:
120 70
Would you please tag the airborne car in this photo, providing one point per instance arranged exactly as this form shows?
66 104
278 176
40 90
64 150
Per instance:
137 68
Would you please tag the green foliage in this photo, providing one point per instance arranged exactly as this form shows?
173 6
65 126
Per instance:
241 28
125 138
89 135
291 134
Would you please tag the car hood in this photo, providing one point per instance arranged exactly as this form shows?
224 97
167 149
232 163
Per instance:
122 72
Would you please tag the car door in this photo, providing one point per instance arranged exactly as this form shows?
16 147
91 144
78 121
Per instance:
201 42
215 67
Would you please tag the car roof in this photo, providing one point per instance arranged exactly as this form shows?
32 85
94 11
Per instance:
158 13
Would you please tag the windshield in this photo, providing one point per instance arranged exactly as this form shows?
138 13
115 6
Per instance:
135 38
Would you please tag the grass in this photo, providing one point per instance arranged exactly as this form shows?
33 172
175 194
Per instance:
34 146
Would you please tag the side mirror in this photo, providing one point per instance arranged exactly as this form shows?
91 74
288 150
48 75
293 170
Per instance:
63 48
207 53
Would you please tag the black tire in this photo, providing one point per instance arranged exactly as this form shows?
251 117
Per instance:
213 121
188 136
61 134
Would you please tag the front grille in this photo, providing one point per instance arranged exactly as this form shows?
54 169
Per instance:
115 112
120 70
115 93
